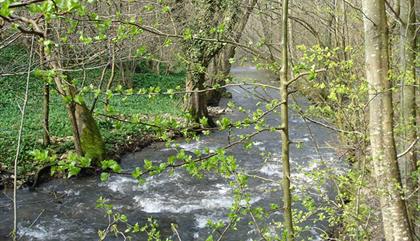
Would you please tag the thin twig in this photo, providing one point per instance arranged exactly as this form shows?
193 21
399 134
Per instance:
408 149
173 226
257 226
304 74
25 100
33 223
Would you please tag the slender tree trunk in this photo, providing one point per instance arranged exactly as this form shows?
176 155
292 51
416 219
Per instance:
408 105
111 77
384 157
284 115
46 115
46 104
344 29
71 110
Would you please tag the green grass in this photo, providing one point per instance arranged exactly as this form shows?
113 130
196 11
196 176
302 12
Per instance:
12 92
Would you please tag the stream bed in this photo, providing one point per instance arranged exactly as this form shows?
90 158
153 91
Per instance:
64 209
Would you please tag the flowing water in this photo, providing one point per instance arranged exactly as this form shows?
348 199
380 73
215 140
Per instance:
65 209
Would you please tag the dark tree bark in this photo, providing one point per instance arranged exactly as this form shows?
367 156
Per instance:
46 115
196 98
46 140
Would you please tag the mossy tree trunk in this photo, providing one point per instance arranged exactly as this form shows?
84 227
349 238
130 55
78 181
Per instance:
196 102
209 14
221 64
91 141
219 72
86 135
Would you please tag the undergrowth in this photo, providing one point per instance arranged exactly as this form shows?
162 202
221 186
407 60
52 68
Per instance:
113 132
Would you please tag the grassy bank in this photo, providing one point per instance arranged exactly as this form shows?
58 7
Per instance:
12 94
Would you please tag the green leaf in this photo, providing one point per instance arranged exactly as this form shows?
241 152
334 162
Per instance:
124 218
166 9
104 176
73 170
136 173
136 228
187 34
148 165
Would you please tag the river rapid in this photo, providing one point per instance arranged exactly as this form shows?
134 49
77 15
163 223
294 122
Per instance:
64 209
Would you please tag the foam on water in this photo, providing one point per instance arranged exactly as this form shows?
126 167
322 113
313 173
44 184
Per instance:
221 189
157 181
56 229
196 145
271 169
36 232
161 204
191 146
72 192
124 185
257 143
120 184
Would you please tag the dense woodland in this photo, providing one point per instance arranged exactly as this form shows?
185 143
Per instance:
86 82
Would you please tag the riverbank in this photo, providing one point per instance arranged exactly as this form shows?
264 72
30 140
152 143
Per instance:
119 137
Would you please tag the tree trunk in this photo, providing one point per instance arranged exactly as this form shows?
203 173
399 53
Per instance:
384 158
46 104
199 53
46 115
196 102
90 138
221 65
86 136
218 74
284 115
408 163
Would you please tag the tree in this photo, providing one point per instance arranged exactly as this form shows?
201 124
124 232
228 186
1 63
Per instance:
219 69
408 101
86 135
383 151
213 19
46 102
284 115
87 138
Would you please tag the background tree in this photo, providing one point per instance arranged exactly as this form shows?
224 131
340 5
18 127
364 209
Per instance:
221 64
212 20
408 102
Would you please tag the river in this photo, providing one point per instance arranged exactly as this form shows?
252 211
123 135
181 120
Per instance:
64 209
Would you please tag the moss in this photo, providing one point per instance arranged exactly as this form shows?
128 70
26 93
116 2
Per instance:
91 140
